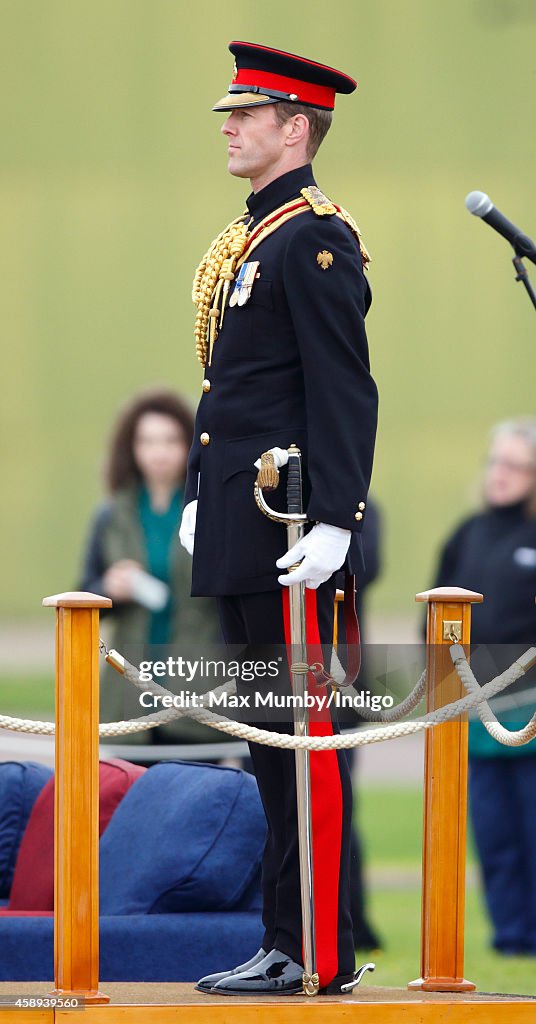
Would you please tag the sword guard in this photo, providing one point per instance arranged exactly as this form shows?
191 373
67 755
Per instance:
268 479
310 983
268 475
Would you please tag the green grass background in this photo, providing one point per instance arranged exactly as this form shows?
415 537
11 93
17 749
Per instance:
113 181
391 822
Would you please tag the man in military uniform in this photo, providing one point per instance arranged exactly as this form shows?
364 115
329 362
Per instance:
282 298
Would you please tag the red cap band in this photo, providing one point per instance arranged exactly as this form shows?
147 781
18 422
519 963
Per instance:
316 95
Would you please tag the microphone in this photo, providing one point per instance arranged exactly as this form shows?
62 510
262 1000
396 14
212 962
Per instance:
481 205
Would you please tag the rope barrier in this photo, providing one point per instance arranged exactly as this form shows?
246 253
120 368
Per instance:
399 711
336 742
508 737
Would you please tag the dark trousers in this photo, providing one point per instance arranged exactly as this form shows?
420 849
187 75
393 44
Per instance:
257 622
503 810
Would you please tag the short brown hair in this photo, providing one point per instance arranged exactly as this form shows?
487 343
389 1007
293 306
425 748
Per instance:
319 122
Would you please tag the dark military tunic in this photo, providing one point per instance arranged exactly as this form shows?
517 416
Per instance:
291 365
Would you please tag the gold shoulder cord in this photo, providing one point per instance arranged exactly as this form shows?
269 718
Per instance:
322 206
230 249
349 220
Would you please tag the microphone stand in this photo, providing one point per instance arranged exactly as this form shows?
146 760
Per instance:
522 275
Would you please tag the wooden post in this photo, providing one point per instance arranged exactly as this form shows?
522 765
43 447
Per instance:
76 807
445 800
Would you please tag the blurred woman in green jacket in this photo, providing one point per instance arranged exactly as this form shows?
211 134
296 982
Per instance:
134 556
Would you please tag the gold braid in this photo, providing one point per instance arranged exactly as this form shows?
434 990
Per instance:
214 273
228 251
349 220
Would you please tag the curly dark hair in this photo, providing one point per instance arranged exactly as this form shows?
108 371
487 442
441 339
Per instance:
120 470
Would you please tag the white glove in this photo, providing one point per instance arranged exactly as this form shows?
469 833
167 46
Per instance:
187 527
323 551
280 458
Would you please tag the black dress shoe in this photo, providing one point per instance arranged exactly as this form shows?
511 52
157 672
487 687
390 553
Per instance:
207 983
276 974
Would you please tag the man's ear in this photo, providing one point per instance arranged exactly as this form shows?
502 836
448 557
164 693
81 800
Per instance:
297 129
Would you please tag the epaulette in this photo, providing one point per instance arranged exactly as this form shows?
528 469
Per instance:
319 203
349 220
322 206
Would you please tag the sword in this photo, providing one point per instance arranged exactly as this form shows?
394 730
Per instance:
295 520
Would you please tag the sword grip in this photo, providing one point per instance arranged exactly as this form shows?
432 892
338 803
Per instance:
294 481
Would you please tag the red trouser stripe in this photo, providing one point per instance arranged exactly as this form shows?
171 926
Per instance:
326 804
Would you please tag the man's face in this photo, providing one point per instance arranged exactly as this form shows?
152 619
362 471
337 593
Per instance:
256 142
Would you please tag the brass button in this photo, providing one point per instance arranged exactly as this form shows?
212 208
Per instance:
205 438
206 385
361 506
358 516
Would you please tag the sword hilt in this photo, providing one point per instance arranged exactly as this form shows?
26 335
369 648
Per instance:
294 481
268 475
268 479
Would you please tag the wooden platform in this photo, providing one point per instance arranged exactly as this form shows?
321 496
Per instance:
135 1003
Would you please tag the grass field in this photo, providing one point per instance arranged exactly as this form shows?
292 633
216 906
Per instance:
397 914
28 696
391 824
390 819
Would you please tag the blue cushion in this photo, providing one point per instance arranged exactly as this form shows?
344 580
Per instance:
186 837
20 785
149 947
176 947
251 898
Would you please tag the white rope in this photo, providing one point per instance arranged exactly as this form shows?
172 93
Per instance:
285 740
393 714
399 711
508 737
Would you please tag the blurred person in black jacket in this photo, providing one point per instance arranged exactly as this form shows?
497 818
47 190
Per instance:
494 552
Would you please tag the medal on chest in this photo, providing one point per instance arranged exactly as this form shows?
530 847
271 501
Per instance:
247 276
